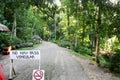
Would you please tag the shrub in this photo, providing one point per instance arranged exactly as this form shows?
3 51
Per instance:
15 42
4 39
36 41
85 50
104 60
115 62
55 41
82 50
65 44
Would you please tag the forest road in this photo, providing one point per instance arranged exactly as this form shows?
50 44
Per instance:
56 61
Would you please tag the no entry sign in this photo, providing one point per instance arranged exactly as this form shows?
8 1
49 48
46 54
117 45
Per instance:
38 74
25 54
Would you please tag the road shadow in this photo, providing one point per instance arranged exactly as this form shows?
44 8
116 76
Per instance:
2 56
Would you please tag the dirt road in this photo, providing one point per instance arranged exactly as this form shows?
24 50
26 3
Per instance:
56 61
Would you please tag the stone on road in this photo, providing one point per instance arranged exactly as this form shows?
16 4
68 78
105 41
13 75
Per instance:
56 61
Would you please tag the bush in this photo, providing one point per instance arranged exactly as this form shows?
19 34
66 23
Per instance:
82 50
55 41
28 44
4 39
111 61
115 62
16 42
36 41
65 44
104 60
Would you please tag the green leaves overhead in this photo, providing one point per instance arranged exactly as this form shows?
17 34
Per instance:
72 17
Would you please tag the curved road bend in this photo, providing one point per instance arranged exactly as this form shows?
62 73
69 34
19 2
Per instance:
56 61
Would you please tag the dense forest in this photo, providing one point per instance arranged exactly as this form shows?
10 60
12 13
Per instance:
89 27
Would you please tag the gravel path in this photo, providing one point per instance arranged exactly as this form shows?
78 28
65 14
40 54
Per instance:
58 65
56 61
94 72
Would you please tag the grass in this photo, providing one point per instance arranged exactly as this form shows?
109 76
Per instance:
86 56
29 48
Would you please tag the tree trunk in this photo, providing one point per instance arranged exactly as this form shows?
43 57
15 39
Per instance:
83 33
68 23
97 48
76 37
55 25
14 26
84 28
98 34
32 31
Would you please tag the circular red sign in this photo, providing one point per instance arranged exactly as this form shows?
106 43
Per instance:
38 75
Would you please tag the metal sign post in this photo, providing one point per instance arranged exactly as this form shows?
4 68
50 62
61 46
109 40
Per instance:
12 70
39 64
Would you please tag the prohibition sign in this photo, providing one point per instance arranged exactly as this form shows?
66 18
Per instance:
38 75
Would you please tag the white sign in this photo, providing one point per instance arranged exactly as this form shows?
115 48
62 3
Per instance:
38 74
25 54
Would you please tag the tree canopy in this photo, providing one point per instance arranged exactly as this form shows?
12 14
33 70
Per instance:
82 25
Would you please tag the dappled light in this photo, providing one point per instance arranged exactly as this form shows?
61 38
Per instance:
90 28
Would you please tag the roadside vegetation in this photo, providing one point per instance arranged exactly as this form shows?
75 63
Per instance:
88 27
85 56
29 48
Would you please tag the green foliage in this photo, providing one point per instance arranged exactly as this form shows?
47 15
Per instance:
28 48
104 60
75 22
63 43
115 61
66 44
36 41
111 61
15 40
86 56
4 39
55 41
83 50
116 45
110 44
